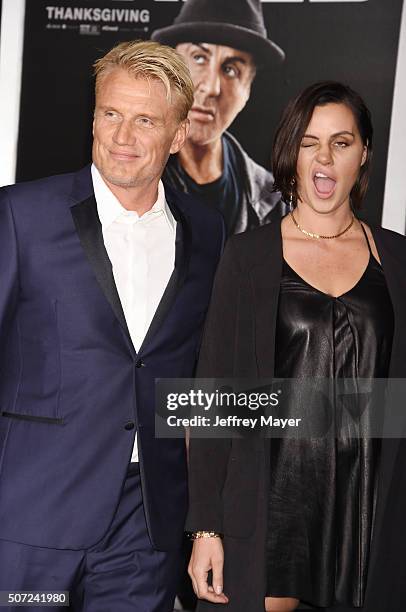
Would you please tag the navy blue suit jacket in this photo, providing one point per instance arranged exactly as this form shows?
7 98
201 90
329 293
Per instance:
70 379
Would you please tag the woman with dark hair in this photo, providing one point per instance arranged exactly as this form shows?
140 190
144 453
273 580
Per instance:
318 295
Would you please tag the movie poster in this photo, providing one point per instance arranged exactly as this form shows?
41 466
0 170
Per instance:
350 41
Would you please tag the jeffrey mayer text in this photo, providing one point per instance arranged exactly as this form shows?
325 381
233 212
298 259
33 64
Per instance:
232 421
263 421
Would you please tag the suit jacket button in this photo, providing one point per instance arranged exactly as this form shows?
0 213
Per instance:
128 426
139 364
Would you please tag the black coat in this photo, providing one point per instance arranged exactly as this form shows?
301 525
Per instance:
229 478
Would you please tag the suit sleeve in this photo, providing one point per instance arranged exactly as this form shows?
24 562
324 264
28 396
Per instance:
8 266
208 458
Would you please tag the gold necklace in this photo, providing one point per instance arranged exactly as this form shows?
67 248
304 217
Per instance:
311 235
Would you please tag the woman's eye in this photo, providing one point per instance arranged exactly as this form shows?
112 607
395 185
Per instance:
306 145
341 144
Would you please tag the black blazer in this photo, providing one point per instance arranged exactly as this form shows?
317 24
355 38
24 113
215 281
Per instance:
229 478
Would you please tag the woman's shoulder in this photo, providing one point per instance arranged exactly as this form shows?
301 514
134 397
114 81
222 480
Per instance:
389 240
388 236
252 246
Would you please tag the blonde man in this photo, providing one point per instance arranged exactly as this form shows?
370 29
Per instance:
106 277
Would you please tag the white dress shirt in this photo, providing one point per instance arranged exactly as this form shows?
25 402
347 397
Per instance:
142 254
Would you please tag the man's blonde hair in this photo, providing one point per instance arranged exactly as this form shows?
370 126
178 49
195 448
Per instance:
151 60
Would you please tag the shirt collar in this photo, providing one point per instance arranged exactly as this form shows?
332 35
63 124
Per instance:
110 210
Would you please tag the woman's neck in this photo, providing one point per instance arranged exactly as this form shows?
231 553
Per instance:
323 223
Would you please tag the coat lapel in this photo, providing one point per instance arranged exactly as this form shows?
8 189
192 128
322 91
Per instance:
393 267
394 275
183 244
265 283
89 230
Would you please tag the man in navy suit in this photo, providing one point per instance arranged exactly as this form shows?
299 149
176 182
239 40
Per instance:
105 282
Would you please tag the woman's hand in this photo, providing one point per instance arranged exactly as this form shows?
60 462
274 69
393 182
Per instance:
208 554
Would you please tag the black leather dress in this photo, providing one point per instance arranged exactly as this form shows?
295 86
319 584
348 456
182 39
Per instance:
323 489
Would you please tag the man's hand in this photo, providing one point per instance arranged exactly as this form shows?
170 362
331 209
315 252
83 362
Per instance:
208 554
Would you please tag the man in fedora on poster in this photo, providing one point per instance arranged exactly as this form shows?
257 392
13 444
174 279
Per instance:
224 43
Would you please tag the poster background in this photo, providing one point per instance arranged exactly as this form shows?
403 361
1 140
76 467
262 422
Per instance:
355 42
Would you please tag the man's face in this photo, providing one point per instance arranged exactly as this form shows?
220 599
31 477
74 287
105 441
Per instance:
222 77
135 128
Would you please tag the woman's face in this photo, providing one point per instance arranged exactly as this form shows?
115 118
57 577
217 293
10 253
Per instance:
330 157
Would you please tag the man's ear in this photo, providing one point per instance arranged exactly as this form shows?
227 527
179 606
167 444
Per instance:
180 136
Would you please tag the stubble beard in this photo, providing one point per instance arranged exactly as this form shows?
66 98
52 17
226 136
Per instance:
118 181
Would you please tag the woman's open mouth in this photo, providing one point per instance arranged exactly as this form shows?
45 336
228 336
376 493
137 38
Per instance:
324 184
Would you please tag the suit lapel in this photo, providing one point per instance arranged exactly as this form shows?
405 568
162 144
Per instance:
89 230
183 244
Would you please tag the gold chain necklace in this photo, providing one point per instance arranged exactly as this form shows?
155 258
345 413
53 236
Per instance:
311 235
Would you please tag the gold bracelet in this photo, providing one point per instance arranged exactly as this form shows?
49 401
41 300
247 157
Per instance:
197 535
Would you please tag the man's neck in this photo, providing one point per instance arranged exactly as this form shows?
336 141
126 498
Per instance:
203 163
139 198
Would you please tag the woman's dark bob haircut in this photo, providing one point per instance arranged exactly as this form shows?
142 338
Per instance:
293 125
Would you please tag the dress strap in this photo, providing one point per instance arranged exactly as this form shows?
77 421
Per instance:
367 239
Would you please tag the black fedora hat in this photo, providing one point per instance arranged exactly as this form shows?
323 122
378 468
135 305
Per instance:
232 23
